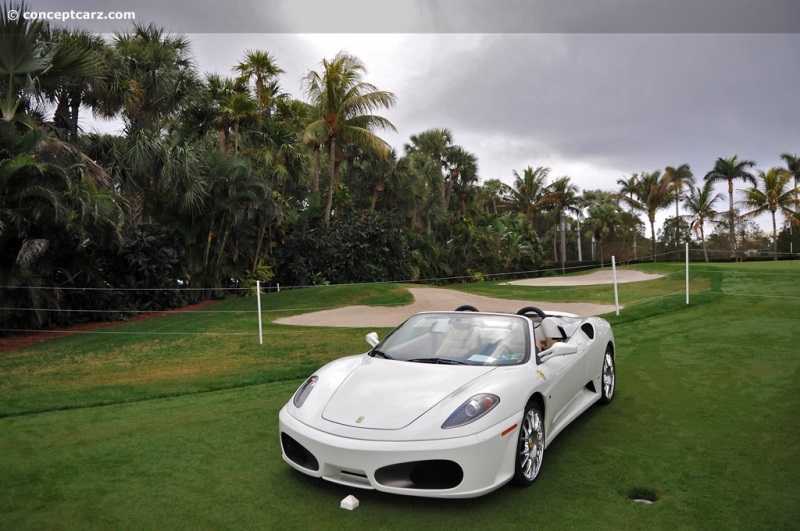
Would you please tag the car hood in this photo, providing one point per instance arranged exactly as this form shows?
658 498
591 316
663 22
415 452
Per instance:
390 395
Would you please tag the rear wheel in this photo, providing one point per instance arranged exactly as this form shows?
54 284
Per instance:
609 377
530 446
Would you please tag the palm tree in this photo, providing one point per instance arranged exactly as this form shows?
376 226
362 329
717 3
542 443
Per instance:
55 203
529 193
773 192
345 103
276 151
492 192
162 68
157 168
681 176
238 108
699 201
204 116
368 177
653 191
416 190
564 197
604 217
463 166
793 165
235 192
262 68
72 90
730 170
33 64
627 193
581 203
433 143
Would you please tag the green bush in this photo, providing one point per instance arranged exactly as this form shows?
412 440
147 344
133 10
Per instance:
355 247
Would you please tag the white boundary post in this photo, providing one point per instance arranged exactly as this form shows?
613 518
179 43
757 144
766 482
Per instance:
260 327
687 273
616 292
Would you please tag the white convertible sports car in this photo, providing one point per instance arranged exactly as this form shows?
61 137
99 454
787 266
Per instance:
450 404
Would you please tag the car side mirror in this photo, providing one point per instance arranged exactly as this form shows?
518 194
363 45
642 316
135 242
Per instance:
372 339
558 349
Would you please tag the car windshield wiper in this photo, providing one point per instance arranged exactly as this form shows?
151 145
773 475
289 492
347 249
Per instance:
380 354
442 361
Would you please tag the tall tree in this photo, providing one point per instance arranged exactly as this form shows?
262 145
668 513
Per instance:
345 103
73 91
627 194
158 168
33 64
652 192
681 176
529 193
435 144
492 194
238 108
773 192
417 190
730 170
699 201
463 167
793 165
262 68
564 198
162 66
604 216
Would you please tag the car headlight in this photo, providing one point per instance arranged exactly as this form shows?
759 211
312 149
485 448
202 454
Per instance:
305 390
472 410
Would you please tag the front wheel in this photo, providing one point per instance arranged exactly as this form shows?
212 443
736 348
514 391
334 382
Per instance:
609 377
530 446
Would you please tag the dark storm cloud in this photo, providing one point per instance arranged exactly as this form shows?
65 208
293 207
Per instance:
638 102
610 103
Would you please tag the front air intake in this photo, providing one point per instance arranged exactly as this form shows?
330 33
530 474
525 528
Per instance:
436 474
298 453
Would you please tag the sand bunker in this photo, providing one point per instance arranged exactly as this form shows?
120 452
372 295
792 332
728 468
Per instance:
432 299
606 276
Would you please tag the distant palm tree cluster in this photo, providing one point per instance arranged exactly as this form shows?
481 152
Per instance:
217 182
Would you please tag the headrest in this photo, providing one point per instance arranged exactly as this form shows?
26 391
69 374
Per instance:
549 328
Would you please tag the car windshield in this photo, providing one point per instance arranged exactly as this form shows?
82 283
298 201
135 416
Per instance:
462 338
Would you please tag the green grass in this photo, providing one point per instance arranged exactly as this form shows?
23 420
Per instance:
186 353
705 417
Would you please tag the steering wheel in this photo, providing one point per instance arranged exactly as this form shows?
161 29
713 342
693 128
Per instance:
466 308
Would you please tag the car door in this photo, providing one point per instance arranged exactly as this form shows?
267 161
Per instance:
568 377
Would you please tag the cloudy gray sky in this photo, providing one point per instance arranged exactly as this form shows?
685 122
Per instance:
593 93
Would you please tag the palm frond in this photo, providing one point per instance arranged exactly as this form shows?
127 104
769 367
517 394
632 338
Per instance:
30 251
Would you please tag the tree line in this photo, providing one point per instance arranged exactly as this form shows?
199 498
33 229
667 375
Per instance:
217 182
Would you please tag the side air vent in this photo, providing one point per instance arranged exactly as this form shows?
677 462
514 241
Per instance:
588 329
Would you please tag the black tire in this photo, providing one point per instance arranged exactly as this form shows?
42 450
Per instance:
608 377
466 308
530 446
